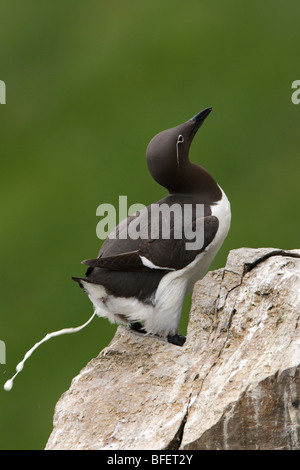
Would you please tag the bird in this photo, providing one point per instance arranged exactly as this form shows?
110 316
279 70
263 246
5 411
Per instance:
141 281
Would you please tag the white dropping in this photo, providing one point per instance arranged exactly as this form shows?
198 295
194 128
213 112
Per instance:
9 384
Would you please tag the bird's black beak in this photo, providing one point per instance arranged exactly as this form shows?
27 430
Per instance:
199 119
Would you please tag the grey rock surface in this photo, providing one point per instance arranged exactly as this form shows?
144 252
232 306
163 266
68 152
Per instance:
235 384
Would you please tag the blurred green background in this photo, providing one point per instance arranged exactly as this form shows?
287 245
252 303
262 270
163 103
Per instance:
88 85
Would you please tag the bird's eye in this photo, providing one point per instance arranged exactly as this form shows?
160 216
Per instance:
180 139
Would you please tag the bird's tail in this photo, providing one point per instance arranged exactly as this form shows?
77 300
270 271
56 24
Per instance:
78 280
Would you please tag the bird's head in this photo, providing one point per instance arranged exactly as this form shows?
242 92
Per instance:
168 152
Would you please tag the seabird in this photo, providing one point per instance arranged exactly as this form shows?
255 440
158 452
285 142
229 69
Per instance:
142 281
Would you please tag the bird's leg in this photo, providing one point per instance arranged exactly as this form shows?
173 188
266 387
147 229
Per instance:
137 326
178 340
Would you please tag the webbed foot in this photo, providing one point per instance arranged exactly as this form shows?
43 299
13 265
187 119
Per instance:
178 340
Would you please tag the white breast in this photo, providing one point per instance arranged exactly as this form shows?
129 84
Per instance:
223 212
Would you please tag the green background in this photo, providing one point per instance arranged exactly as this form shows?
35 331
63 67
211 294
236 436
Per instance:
88 85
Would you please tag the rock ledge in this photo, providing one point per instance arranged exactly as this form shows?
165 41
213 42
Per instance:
235 384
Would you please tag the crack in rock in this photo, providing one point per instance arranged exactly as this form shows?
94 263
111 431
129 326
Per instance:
249 266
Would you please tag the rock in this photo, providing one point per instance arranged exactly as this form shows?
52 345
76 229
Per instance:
235 384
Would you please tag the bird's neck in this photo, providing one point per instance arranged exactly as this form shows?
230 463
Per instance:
195 181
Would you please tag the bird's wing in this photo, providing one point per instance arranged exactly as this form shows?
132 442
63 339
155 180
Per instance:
129 261
158 254
173 253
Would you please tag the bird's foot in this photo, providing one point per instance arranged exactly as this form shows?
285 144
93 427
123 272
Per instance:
137 326
178 340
